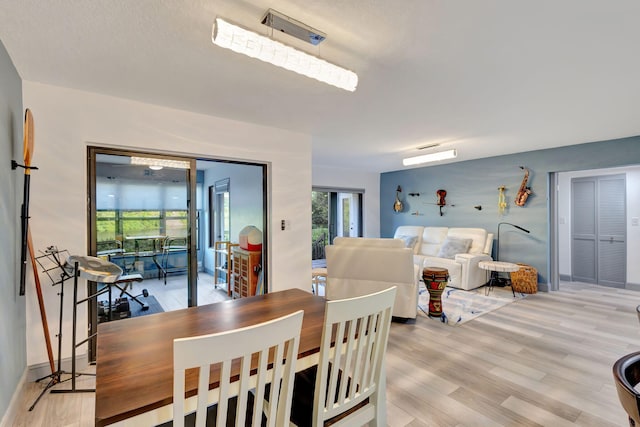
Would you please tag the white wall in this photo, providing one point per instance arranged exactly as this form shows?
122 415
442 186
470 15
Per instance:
245 200
347 178
633 210
66 121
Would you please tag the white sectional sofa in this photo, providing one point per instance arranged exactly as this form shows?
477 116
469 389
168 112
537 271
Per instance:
459 250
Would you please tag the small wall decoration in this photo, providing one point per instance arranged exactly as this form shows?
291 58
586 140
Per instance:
397 205
524 191
502 203
441 201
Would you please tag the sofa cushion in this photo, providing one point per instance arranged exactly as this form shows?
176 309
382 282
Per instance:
477 235
409 241
411 230
453 246
432 239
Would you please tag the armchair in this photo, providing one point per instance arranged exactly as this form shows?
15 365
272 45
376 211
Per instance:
361 266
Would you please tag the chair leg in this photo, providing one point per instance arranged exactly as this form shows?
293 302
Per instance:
379 399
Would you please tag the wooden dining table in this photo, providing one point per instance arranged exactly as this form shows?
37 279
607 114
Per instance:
134 365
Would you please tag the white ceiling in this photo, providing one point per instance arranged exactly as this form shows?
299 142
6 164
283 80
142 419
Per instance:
487 77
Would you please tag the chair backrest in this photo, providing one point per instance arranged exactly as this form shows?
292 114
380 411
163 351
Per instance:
354 271
626 373
217 352
351 361
360 270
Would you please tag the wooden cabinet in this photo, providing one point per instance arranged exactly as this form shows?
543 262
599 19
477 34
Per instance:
223 264
246 267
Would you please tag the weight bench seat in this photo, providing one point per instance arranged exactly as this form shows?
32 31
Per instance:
128 279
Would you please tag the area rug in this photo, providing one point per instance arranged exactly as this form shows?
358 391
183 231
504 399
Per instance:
135 309
460 306
151 301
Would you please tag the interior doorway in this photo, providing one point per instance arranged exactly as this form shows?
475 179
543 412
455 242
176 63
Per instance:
561 223
598 231
335 212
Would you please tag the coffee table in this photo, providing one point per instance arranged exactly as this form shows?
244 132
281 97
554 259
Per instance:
496 267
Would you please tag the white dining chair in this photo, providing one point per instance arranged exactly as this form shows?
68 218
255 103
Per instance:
280 336
348 385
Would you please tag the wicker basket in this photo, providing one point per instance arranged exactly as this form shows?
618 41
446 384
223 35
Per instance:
525 280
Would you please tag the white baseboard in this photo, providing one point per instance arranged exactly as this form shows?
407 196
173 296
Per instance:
12 410
42 370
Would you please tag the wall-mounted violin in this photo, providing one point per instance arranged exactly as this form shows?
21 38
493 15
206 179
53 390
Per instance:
441 199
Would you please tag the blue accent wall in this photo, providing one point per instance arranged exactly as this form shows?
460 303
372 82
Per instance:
475 183
13 347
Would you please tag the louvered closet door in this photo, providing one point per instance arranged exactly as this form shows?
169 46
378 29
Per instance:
598 253
583 231
612 244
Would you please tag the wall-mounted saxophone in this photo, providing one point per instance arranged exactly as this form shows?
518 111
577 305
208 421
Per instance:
524 191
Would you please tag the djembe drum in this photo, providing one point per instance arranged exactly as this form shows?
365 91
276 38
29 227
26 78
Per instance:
435 279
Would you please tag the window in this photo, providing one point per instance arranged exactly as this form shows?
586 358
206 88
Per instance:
113 226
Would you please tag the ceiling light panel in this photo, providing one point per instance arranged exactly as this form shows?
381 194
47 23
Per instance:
239 40
152 161
433 157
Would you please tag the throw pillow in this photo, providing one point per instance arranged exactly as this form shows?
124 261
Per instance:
409 241
452 246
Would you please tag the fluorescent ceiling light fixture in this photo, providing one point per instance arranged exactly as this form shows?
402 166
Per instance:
433 157
149 161
265 49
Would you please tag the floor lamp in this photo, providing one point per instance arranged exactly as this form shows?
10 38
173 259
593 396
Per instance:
502 281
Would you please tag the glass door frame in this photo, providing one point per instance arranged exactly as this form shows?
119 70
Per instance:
192 261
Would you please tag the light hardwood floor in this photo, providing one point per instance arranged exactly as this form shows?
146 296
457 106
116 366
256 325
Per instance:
173 295
542 361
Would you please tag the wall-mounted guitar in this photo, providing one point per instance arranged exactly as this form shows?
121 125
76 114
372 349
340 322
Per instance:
397 205
524 191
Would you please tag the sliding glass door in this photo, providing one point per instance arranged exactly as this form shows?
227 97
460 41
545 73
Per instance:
141 218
